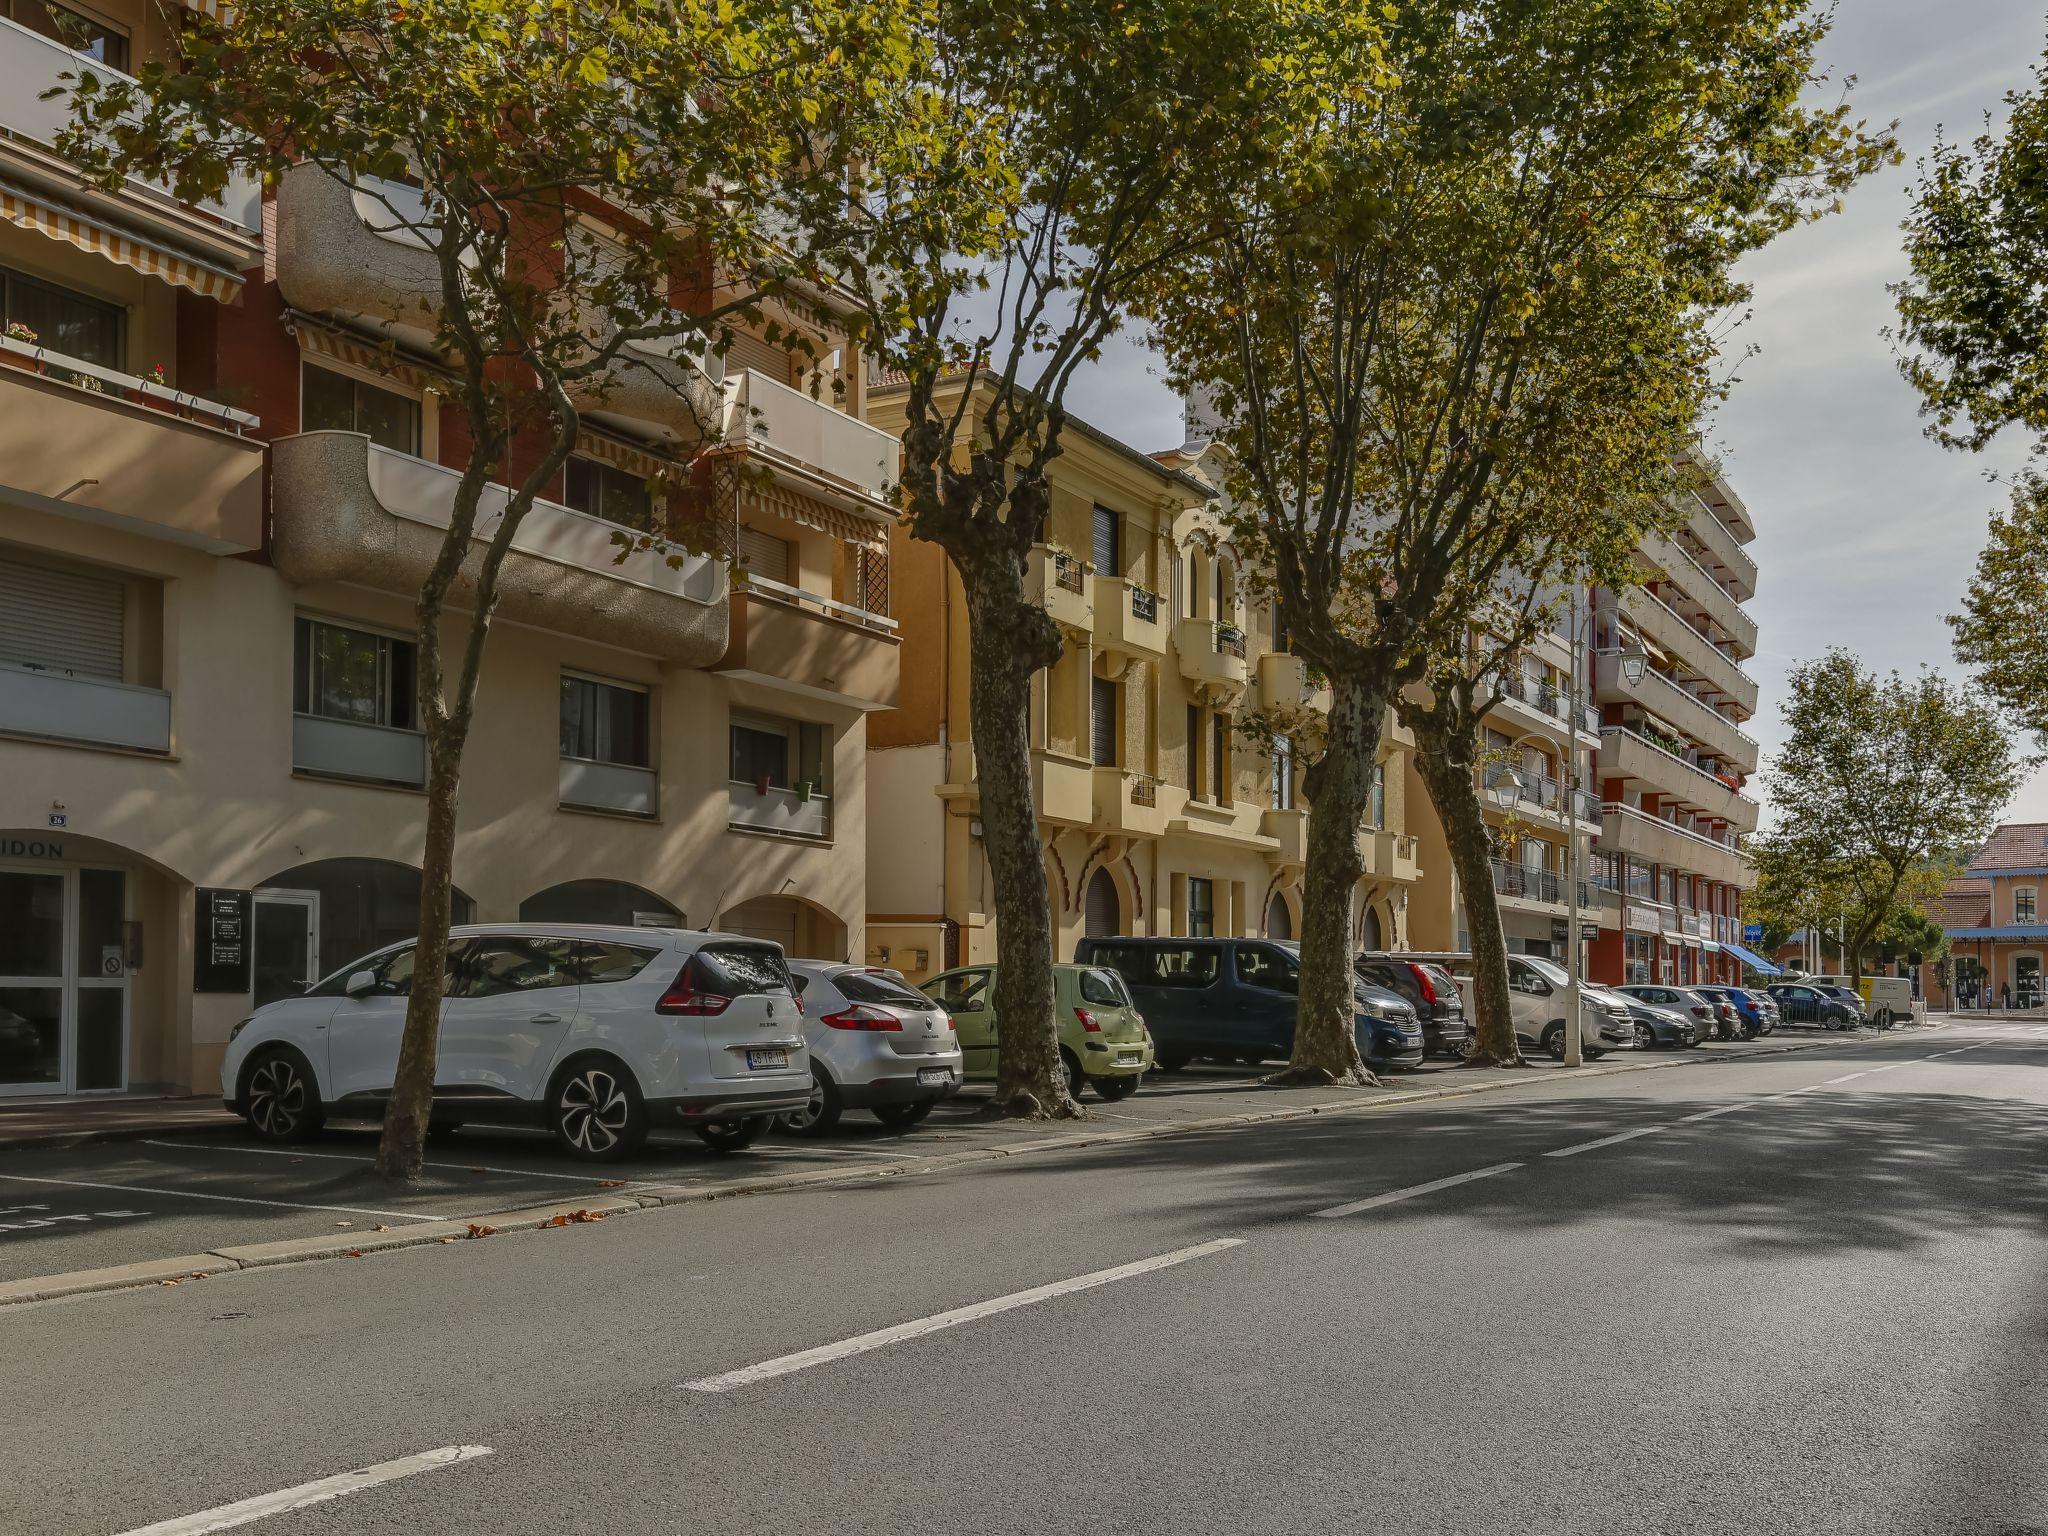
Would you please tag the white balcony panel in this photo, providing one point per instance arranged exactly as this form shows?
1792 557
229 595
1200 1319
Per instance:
779 810
787 424
90 709
350 749
596 786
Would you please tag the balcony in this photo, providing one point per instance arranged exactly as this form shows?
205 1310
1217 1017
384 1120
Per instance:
778 812
1063 788
1522 886
127 453
810 645
1063 585
1129 619
1690 716
1721 552
1127 804
589 785
1286 686
62 706
1393 733
1289 828
32 66
1656 770
1394 857
1703 594
1624 829
351 749
344 509
1535 795
816 450
1660 623
1547 708
1211 655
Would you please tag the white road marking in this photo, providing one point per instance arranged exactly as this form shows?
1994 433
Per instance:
860 1344
193 1194
317 1492
1850 1078
350 1157
1392 1195
1606 1141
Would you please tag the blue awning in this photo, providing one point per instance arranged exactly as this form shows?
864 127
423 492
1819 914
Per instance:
1752 959
2033 931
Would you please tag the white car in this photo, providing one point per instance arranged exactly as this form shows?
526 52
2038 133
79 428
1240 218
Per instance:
876 1043
600 1034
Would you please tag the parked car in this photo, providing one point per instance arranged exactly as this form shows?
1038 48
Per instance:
877 1043
1104 1042
1536 993
1849 998
1710 1016
600 1034
1235 999
1656 1027
1432 992
1755 1013
1801 1003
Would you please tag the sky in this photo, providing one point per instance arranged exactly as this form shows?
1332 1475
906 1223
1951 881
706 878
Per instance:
1866 530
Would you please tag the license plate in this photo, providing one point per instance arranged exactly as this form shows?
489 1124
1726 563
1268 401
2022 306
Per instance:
1129 1058
933 1077
762 1061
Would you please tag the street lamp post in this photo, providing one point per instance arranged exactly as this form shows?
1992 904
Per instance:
1574 1053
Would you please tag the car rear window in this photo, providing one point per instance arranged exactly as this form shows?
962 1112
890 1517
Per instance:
861 987
1103 989
1160 965
740 970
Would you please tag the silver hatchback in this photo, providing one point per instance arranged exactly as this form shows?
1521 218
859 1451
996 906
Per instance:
876 1043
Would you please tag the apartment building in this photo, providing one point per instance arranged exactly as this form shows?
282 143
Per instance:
1668 678
1156 814
218 498
1524 780
1993 916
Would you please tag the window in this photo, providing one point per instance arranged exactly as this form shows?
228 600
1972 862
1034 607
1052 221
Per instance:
2023 904
1108 546
497 966
71 28
340 402
63 621
1283 773
1102 721
1267 968
600 961
739 970
1201 907
604 722
63 320
963 992
603 490
392 975
1195 751
862 987
1219 759
1376 809
1103 989
779 753
1160 965
764 556
349 674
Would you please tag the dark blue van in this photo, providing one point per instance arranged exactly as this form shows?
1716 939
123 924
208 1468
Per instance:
1234 1000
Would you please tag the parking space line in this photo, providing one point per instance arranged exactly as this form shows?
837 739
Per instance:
860 1344
350 1157
317 1492
193 1194
1354 1206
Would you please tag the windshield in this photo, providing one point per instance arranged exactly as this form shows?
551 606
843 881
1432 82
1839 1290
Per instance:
1549 970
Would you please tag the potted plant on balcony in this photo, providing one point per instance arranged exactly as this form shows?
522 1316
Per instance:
1230 638
16 331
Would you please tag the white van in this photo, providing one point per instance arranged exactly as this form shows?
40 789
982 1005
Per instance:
1536 992
1888 1000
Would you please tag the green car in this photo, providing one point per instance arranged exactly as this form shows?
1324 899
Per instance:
1103 1040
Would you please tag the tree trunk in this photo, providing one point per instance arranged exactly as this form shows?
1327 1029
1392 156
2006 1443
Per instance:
1011 638
1339 788
401 1152
1448 773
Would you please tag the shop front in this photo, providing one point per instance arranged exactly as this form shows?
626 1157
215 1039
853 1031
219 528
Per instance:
69 939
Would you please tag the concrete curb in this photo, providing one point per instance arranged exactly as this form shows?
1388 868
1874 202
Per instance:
358 1244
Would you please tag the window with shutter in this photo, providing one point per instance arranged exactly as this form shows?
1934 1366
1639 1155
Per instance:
752 352
1102 701
1108 543
62 621
764 555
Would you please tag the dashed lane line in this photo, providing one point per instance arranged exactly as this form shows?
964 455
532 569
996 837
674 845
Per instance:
317 1492
1353 1207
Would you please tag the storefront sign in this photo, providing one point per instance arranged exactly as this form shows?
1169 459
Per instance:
1752 933
220 941
31 848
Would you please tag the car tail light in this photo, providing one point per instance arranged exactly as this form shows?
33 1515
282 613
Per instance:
1088 1021
682 997
861 1016
1422 980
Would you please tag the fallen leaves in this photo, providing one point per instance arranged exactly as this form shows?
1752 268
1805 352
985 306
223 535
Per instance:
380 1227
478 1229
355 1253
611 1183
565 1218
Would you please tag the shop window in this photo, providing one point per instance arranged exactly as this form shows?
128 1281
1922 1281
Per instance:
605 722
340 402
606 491
358 675
64 320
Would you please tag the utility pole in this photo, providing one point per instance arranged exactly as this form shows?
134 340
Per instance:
1573 1027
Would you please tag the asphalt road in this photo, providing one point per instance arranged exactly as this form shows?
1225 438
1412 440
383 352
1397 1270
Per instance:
1798 1293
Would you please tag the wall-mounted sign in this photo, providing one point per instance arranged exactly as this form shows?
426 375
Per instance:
1752 933
31 848
59 820
220 941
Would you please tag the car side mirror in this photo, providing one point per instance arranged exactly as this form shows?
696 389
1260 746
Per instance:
359 982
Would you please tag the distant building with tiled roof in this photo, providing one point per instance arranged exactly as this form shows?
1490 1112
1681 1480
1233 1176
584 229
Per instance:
1993 917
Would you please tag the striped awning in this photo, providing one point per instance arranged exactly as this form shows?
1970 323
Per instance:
622 455
50 217
777 500
371 358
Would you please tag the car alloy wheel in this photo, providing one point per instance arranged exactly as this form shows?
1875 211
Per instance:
277 1098
594 1111
1646 1038
821 1114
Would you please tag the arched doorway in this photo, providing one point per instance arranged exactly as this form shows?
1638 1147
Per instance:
1102 910
804 931
616 903
1279 921
312 919
1370 935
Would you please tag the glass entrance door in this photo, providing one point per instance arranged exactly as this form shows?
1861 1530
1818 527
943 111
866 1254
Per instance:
99 1007
287 958
32 904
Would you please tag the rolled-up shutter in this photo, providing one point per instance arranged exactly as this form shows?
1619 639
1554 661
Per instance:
65 621
764 555
1108 544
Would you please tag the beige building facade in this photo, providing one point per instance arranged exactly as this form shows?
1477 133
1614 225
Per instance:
217 503
1158 815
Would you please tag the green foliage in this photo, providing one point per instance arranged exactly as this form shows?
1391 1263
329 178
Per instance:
2002 631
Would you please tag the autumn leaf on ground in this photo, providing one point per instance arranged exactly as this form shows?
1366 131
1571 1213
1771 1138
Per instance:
380 1227
567 1217
611 1183
478 1229
355 1253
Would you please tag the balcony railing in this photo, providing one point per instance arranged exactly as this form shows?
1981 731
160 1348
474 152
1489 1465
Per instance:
1525 884
1144 604
97 380
1230 641
1658 683
783 812
1694 769
1547 699
37 701
354 749
591 785
825 605
1726 842
809 434
1068 573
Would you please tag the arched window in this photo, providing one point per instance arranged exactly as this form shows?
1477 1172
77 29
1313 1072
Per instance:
1102 912
363 904
614 903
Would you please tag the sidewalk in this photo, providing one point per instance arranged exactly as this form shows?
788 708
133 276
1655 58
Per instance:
73 1122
